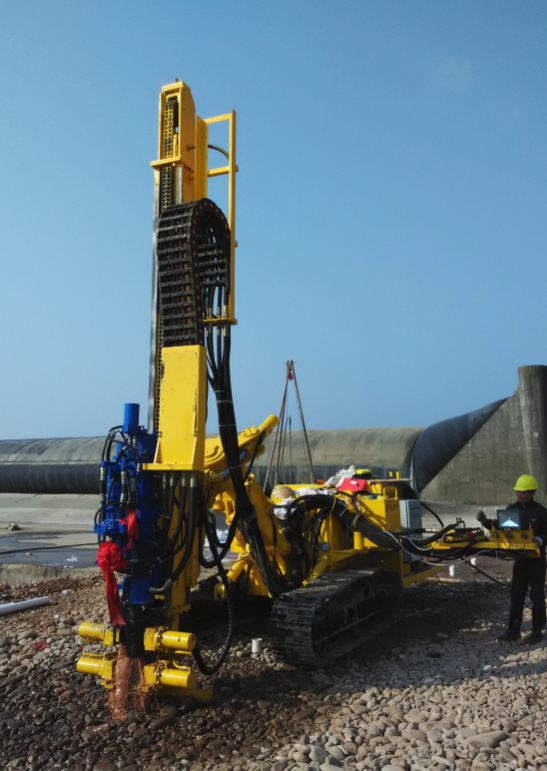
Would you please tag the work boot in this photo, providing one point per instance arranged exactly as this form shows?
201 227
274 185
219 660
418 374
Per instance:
538 618
538 623
534 637
509 636
513 626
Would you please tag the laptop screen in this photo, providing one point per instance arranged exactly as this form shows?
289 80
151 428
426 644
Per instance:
508 519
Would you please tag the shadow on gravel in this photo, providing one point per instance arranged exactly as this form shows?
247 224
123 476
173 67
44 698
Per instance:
439 621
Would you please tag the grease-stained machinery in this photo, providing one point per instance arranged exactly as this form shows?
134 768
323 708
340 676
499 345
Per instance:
333 565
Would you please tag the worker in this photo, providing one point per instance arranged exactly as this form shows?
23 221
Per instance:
528 572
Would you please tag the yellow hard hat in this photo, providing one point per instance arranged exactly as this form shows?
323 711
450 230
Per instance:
525 483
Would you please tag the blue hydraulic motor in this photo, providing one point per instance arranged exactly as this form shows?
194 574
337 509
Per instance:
129 524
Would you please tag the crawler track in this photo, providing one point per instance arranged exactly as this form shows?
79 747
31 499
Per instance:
335 614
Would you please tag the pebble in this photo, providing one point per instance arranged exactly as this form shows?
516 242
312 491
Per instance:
489 739
105 765
318 753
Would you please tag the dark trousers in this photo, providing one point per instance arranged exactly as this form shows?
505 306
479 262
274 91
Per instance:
528 573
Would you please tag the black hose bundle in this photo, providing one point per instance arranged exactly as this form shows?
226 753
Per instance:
428 508
211 669
219 368
161 552
322 505
222 548
111 436
215 294
194 251
339 508
385 539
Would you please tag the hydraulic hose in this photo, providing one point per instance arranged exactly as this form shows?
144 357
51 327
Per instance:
109 441
146 563
248 526
428 508
224 547
172 542
506 584
211 669
193 505
385 539
352 521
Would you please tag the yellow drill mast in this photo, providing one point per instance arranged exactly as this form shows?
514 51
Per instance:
181 175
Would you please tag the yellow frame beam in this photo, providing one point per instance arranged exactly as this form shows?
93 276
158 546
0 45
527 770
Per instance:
231 171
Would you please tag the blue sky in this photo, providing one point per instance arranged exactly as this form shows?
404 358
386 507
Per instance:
391 202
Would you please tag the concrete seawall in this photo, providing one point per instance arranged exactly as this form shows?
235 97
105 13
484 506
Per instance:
512 442
473 458
382 450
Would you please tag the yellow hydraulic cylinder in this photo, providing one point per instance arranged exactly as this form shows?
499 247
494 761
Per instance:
159 674
158 638
178 678
107 634
90 631
96 664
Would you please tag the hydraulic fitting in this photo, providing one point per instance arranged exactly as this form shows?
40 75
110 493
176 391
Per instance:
123 494
102 485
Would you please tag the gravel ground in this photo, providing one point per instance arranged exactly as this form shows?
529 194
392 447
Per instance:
436 691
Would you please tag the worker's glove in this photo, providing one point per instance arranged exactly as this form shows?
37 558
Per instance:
539 541
481 517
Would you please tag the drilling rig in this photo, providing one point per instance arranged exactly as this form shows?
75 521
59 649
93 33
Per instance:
331 561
